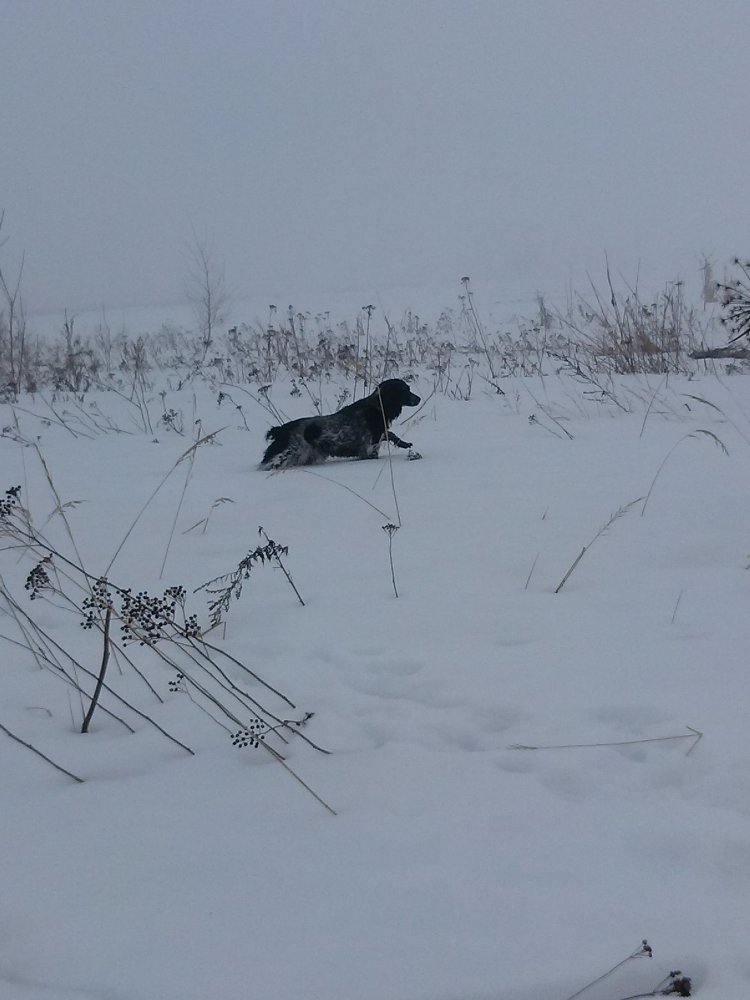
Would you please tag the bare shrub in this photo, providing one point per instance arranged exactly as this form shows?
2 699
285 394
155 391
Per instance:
206 291
621 332
12 325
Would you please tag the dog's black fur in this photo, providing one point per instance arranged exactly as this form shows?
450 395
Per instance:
353 432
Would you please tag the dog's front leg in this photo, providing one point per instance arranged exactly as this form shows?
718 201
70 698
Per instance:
390 436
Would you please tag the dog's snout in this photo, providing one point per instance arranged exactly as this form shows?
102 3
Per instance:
414 399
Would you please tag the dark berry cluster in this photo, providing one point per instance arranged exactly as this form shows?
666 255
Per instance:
100 599
146 619
177 683
177 594
191 629
173 420
9 502
38 579
679 985
252 736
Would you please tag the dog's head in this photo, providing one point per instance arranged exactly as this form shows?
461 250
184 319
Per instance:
394 394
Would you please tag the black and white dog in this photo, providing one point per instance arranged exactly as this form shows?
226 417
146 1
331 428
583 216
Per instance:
356 431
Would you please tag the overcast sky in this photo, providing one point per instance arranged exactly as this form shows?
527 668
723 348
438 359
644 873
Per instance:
321 145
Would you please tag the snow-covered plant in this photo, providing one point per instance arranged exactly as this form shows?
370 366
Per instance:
227 586
673 984
160 625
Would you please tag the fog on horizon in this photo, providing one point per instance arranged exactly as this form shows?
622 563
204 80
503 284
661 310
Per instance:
325 146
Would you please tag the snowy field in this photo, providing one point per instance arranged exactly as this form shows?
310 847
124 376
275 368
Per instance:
520 792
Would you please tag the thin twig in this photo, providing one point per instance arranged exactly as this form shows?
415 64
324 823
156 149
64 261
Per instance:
305 785
677 604
183 456
102 670
643 951
651 403
390 530
282 567
58 501
617 514
173 527
343 486
40 754
531 571
695 734
693 434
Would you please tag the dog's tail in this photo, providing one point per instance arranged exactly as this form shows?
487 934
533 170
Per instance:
279 440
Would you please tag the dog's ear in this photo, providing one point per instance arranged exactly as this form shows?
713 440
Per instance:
388 395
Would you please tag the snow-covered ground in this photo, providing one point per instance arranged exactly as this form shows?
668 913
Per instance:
457 866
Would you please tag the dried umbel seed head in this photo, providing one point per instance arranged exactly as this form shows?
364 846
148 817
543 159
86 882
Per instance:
100 599
177 593
680 986
191 628
252 736
38 579
148 619
10 501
